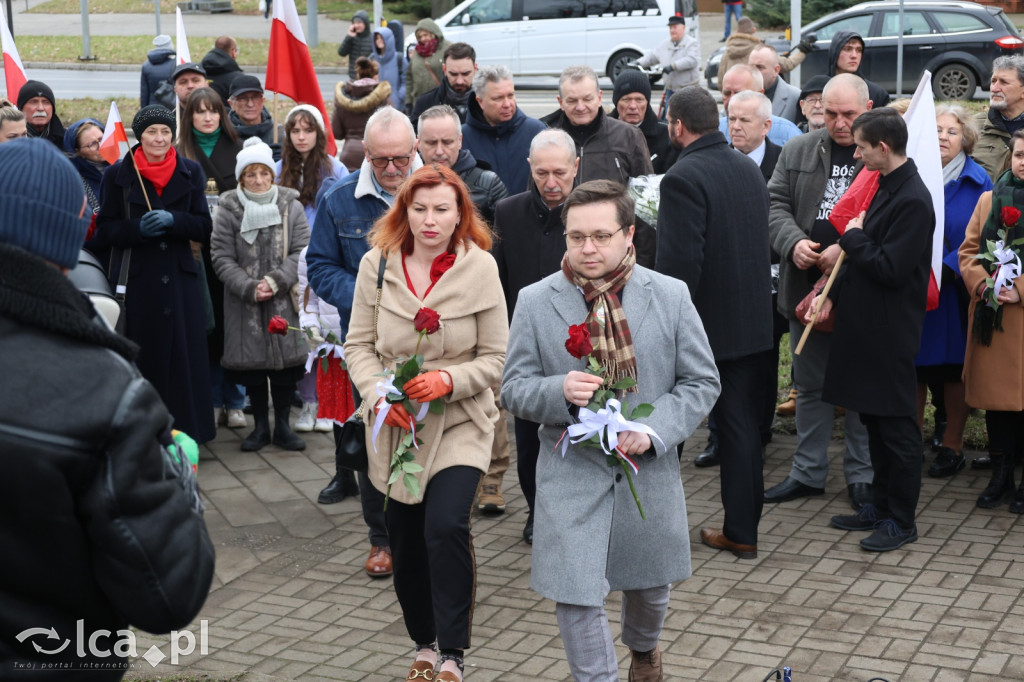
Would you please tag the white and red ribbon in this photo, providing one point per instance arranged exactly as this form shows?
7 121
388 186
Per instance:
330 348
606 423
1008 267
384 389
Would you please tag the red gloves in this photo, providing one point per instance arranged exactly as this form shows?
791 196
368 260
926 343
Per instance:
430 386
396 417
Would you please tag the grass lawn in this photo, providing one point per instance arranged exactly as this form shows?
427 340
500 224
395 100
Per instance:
337 9
133 49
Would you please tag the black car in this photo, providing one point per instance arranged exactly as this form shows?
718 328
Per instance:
956 41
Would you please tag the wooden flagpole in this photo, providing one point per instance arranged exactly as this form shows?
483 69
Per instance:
819 301
141 183
274 118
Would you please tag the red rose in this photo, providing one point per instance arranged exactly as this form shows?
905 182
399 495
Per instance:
441 265
427 321
278 325
1010 216
578 344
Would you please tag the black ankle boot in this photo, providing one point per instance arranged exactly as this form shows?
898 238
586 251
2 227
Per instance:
1017 503
284 437
341 486
1000 486
260 436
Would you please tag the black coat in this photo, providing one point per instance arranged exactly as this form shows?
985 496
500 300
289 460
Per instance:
530 242
713 235
158 67
164 302
97 526
485 187
663 153
771 157
880 295
221 71
442 94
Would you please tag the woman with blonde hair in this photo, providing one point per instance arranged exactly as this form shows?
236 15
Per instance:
432 248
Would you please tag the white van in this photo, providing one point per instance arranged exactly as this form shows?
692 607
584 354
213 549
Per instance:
542 37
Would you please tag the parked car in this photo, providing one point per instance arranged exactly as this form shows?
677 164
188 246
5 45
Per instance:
956 41
542 37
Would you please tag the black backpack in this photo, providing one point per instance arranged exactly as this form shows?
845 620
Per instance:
164 94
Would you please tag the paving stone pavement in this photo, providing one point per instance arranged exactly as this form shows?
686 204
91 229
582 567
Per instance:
290 600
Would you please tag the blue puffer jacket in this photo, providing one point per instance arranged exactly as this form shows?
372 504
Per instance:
504 147
392 64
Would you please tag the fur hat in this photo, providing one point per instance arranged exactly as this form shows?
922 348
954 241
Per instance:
630 81
153 114
253 151
43 203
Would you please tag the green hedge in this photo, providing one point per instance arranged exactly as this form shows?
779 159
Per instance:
774 14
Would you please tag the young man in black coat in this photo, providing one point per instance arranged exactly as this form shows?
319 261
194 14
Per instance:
713 235
882 290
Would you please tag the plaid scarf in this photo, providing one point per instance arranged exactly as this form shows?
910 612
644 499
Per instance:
609 329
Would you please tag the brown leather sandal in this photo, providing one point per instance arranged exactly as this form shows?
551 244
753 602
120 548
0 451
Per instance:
421 670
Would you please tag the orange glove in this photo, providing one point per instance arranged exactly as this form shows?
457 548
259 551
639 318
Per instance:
429 386
396 417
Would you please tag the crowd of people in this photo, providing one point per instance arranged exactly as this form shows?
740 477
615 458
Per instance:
220 222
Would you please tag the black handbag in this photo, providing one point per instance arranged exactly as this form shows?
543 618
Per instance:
350 447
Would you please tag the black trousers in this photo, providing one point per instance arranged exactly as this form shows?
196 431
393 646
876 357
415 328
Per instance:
739 445
896 457
432 551
371 499
527 452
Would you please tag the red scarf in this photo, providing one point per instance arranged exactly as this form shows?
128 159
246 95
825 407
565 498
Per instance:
441 265
426 49
158 173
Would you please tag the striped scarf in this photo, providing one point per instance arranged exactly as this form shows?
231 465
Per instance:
609 329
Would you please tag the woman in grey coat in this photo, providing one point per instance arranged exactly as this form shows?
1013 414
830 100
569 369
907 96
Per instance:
258 234
584 507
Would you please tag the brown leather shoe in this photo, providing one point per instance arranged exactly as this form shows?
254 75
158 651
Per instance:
446 676
712 537
379 563
421 670
788 408
645 666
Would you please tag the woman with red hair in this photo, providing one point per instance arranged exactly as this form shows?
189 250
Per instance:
435 248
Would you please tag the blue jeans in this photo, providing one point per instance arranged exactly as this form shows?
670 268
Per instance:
731 10
225 394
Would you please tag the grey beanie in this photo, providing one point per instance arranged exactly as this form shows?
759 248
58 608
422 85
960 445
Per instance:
41 205
154 114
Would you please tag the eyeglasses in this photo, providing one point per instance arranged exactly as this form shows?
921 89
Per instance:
812 100
576 240
383 161
94 146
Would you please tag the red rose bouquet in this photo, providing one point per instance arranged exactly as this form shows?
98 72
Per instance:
391 388
605 417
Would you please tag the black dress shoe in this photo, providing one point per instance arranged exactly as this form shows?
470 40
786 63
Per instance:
528 530
947 462
790 489
860 494
708 458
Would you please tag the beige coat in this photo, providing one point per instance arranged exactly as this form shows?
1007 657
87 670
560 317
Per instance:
470 346
993 375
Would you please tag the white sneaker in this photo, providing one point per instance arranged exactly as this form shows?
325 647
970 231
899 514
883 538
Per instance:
324 426
236 419
307 417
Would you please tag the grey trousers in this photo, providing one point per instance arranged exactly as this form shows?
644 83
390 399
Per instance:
588 638
814 418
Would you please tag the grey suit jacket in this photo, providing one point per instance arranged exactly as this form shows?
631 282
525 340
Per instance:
786 102
584 507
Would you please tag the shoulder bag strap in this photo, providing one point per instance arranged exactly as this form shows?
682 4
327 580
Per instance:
121 290
376 303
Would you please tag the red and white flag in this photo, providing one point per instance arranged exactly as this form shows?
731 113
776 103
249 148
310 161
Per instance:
290 66
14 71
181 43
114 143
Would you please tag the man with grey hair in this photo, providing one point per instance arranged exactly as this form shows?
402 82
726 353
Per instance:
441 142
743 77
530 247
496 130
608 148
1004 117
783 96
343 220
813 173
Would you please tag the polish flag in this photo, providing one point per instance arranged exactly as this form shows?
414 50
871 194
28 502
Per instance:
289 65
181 43
14 72
114 143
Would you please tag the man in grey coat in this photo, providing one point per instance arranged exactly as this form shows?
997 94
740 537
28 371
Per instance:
784 96
584 508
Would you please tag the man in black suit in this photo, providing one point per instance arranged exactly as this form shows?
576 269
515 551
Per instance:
715 239
888 260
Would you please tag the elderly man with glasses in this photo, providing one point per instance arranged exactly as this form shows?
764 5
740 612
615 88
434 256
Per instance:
343 220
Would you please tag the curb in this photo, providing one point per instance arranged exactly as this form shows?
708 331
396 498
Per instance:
91 66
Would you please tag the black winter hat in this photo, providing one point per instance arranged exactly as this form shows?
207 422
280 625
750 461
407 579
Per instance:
630 81
35 89
153 114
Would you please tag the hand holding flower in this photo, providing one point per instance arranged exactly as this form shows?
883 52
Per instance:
634 442
579 387
396 416
428 386
1008 295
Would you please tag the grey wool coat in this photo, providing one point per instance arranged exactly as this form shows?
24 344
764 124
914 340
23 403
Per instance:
240 266
584 507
